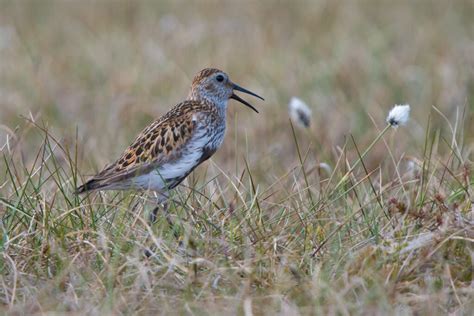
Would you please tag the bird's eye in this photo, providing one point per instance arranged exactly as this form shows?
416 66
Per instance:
220 78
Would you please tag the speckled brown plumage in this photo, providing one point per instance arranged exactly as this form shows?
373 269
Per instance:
171 147
163 137
157 144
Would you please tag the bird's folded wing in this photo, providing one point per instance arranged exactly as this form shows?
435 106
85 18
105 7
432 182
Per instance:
156 145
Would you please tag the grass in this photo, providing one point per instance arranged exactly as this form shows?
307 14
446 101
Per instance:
387 230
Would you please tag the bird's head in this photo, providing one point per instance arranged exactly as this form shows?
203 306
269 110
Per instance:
215 86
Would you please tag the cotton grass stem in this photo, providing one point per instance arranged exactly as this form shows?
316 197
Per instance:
346 176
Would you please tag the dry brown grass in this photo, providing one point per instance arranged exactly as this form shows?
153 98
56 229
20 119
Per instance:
266 231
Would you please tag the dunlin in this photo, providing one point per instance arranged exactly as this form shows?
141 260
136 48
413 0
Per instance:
171 147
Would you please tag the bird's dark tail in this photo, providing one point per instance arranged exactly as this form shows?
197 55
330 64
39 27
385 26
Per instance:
90 185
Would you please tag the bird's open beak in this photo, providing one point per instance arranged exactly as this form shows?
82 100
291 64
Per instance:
236 97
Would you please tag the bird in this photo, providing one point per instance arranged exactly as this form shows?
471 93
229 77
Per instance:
172 146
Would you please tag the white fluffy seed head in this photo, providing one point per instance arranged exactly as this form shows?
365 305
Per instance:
300 113
398 115
326 167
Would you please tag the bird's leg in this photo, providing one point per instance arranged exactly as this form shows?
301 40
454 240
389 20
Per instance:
162 202
154 215
152 220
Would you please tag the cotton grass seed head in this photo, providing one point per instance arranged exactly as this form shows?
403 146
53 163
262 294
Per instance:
300 113
398 115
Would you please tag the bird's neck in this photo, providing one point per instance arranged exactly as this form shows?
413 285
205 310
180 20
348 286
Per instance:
219 104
